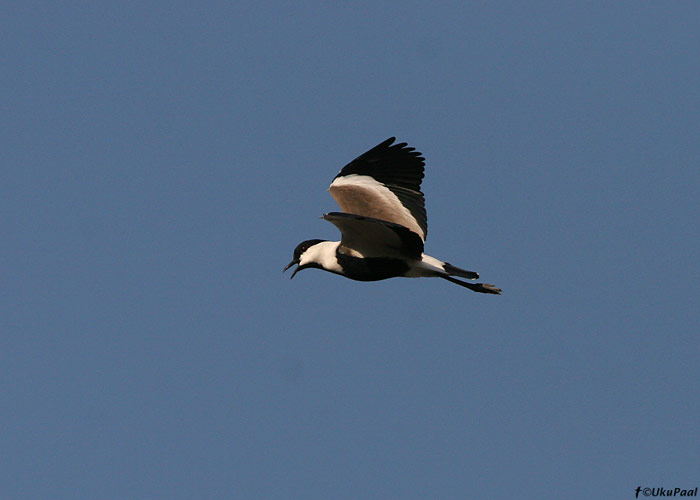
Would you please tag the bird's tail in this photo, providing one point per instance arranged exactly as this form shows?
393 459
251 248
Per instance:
456 271
475 287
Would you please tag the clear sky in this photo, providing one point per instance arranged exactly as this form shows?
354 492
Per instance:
161 160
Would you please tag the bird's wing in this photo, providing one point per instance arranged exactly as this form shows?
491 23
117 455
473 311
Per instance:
368 237
384 183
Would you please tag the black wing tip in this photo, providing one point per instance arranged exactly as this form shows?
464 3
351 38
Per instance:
402 146
388 147
386 144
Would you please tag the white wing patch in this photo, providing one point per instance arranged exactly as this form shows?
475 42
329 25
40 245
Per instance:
363 195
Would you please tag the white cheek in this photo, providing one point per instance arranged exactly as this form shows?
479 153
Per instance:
323 254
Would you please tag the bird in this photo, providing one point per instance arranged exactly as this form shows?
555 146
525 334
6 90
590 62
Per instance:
383 223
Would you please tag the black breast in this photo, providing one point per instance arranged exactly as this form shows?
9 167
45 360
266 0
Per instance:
371 269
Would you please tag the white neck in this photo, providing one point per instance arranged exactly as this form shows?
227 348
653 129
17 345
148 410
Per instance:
324 254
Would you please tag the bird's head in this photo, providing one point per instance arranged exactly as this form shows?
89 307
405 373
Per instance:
302 258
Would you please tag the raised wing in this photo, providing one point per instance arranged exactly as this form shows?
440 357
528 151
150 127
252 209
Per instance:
384 183
368 237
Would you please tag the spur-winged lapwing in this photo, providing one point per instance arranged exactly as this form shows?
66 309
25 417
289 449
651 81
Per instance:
383 223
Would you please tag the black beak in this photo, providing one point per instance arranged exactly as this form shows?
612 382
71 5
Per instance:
295 261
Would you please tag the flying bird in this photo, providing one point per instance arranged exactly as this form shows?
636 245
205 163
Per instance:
383 223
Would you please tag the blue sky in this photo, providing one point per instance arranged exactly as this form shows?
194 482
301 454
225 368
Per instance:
161 160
